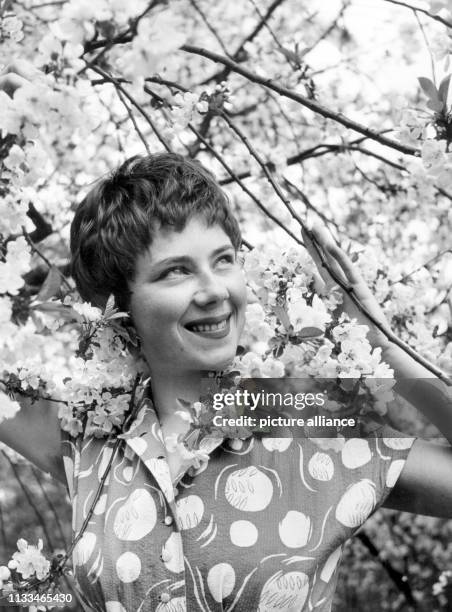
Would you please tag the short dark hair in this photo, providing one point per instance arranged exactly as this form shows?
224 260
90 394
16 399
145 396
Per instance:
116 220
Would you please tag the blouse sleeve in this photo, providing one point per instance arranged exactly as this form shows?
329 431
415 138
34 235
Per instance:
353 478
391 450
370 467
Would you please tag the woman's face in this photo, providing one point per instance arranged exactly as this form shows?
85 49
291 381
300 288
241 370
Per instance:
188 299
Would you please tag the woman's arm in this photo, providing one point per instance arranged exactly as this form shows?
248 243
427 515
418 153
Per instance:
425 484
35 433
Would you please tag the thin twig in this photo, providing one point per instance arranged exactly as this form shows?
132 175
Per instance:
307 202
399 579
51 506
428 263
134 103
124 37
46 4
272 34
330 28
209 26
248 245
387 332
30 499
427 44
118 441
156 78
303 100
222 75
243 186
448 24
263 166
133 120
2 526
44 258
325 149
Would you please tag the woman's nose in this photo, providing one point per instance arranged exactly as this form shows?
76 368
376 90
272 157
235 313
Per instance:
211 289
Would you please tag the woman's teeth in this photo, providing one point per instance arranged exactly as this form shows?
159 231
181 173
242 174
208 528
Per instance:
209 327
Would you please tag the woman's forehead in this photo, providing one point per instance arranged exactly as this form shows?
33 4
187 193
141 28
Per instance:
195 237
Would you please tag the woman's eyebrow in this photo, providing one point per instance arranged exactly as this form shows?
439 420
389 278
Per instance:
187 259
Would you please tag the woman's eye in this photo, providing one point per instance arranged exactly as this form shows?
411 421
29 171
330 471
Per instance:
228 259
176 271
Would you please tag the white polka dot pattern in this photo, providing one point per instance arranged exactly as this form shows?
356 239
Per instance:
259 527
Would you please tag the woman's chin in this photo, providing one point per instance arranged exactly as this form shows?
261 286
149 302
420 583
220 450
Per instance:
219 363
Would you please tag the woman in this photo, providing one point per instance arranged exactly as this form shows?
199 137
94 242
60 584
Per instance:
255 528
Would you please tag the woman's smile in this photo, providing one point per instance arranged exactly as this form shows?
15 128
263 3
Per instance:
188 298
211 327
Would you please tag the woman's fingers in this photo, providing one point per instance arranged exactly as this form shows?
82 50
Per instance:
341 260
322 245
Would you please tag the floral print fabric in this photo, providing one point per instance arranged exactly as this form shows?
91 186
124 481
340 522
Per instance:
258 528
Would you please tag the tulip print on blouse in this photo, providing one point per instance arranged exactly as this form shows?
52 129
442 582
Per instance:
260 527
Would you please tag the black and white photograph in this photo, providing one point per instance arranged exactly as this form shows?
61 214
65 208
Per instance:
226 305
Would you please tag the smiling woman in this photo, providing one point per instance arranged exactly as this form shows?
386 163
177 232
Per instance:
159 235
188 297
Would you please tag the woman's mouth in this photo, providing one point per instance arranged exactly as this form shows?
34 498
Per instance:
211 329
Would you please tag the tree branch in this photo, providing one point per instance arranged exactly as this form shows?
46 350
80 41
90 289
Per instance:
264 167
209 26
50 504
38 252
242 185
30 499
397 577
428 263
387 332
133 120
124 37
303 100
236 56
324 149
448 24
140 109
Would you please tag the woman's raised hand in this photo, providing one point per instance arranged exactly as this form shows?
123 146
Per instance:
320 244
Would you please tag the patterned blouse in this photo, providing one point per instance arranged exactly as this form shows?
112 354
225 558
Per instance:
259 528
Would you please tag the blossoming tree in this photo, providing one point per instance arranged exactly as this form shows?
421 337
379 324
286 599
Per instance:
305 112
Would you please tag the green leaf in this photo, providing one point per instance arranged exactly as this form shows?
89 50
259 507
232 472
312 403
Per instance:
291 56
59 310
117 315
444 89
110 306
283 317
50 286
429 88
310 332
435 105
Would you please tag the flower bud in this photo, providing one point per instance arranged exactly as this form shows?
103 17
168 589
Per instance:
4 573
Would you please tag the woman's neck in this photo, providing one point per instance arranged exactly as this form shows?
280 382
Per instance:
168 388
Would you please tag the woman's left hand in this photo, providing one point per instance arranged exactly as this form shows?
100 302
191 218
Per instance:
341 265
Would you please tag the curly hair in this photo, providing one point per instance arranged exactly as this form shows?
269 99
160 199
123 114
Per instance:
117 219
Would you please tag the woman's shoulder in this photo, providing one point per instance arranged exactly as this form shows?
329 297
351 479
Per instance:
34 432
353 476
